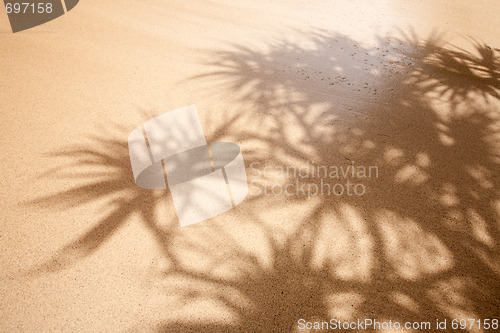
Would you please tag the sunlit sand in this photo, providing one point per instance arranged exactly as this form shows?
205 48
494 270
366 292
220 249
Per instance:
411 88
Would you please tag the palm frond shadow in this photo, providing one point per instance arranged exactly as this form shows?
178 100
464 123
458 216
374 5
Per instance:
102 173
421 244
104 166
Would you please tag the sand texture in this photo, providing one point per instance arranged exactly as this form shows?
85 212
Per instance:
409 87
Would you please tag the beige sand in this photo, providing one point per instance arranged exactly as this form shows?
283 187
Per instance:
408 86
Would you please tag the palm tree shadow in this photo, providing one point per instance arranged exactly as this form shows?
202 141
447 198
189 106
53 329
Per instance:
104 167
101 172
421 244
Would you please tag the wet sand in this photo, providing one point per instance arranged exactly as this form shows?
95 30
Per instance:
409 87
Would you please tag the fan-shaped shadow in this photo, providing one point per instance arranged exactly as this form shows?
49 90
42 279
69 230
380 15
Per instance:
102 172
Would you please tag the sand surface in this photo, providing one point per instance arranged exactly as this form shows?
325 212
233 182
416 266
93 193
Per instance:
411 87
